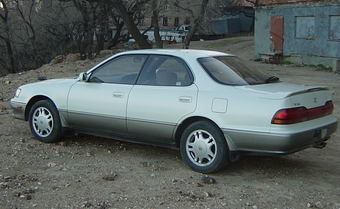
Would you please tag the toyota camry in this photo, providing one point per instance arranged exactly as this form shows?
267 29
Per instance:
213 106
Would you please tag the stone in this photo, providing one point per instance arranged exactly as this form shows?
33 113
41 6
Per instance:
318 204
110 177
208 180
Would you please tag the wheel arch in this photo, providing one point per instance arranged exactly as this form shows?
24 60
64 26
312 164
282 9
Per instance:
186 123
234 155
32 101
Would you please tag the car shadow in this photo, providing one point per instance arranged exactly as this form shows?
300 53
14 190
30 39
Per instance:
269 166
276 166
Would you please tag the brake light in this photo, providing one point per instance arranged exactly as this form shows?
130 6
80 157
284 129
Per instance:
301 114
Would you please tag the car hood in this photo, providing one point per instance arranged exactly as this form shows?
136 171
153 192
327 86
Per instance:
70 80
281 90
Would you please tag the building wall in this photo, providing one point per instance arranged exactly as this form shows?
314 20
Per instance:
311 32
172 16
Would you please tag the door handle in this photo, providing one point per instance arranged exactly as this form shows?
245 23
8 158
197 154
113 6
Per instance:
118 94
186 99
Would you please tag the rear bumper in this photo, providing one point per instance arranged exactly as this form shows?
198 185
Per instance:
278 143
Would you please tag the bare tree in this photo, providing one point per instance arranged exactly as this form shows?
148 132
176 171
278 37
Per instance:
59 21
31 47
197 16
7 60
128 19
119 24
85 33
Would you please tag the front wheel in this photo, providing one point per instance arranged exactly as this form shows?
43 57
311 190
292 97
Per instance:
204 148
45 122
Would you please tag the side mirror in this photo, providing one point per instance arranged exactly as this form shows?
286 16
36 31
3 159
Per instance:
82 77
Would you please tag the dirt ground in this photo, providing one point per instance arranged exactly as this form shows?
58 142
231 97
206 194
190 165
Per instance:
91 172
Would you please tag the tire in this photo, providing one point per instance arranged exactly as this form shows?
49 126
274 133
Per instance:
204 148
44 121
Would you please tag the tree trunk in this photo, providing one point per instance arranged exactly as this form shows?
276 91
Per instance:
194 28
131 26
129 23
158 39
115 39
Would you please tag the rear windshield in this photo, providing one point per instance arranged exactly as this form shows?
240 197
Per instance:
232 71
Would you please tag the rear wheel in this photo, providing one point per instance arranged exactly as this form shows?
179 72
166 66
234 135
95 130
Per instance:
204 148
45 122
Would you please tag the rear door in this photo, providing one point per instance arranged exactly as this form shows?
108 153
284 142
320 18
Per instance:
100 103
163 95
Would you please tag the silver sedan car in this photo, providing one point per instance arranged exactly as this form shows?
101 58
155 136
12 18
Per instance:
213 106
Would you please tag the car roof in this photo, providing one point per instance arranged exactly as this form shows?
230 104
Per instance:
194 53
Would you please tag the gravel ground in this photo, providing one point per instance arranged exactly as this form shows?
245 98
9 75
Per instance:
92 172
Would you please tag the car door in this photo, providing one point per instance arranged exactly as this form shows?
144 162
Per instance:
99 104
163 95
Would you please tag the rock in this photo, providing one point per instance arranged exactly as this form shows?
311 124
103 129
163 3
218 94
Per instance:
310 205
110 177
28 197
208 180
199 185
3 185
174 180
208 194
51 164
87 205
16 194
318 204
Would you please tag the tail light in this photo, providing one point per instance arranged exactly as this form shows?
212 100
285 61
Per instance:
301 114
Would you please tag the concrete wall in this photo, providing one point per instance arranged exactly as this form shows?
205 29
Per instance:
311 32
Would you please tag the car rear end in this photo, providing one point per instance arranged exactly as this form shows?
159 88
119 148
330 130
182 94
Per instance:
299 117
308 122
266 116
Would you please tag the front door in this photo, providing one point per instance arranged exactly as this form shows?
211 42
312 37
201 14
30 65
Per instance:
100 103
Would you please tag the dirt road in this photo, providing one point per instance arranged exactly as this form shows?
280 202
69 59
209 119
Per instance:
91 172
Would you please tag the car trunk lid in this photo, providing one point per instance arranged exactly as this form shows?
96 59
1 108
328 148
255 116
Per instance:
300 96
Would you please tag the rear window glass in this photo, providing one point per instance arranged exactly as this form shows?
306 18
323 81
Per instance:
232 71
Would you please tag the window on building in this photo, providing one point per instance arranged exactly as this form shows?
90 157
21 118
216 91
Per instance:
141 21
334 31
305 27
166 6
165 21
176 22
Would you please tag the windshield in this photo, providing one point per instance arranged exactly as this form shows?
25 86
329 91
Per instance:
233 71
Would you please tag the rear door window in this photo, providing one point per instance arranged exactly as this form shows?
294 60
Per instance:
232 71
165 71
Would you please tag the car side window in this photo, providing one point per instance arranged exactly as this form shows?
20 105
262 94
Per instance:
120 70
165 71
